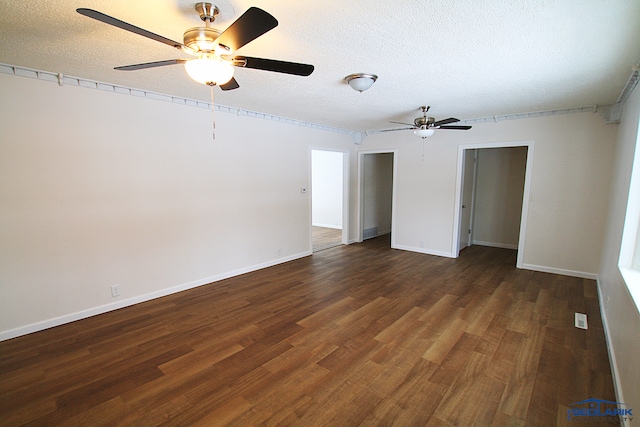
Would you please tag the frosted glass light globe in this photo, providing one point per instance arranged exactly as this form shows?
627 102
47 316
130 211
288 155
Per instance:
209 70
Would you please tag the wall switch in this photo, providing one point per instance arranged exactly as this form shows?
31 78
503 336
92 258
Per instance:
115 290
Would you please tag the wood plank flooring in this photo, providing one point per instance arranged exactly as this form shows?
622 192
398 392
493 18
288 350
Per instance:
325 238
353 335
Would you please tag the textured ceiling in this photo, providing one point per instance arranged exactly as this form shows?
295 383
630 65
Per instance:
465 58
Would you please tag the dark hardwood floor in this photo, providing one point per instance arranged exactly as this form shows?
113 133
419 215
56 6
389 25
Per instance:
353 335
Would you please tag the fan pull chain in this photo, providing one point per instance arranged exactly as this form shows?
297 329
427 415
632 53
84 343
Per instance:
422 150
213 114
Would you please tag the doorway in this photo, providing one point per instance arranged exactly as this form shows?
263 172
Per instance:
468 192
493 192
329 198
377 188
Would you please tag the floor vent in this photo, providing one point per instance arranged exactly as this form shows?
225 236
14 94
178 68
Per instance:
370 232
581 321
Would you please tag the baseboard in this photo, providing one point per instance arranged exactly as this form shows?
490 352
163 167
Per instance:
560 271
612 355
94 311
563 272
495 245
378 234
422 250
335 227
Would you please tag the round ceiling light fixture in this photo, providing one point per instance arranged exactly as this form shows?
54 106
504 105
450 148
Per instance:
424 132
361 81
209 69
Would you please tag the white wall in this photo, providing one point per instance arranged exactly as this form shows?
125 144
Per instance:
326 178
498 196
568 196
99 188
621 316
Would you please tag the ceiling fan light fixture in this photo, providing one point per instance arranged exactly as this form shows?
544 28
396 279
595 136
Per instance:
423 132
361 81
209 70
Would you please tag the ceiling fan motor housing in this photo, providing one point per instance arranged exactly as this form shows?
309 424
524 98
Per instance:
424 121
202 39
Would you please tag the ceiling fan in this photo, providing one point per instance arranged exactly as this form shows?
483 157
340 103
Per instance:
425 126
214 50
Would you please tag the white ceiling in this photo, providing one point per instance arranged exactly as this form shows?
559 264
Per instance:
465 58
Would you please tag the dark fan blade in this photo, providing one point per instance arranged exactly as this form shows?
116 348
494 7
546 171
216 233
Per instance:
230 85
445 121
273 65
150 65
401 123
126 26
455 127
251 25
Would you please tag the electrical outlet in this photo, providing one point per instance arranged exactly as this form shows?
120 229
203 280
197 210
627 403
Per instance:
115 290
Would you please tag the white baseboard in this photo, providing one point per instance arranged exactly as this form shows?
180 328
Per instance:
422 250
94 311
495 245
561 271
378 234
335 227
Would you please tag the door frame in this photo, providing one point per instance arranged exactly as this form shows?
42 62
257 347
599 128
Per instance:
472 202
455 244
361 155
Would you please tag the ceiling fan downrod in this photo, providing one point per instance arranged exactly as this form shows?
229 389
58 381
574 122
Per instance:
203 39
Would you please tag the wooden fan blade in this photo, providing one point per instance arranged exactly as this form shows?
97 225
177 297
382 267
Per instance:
150 65
455 127
230 85
445 121
251 25
128 27
273 65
